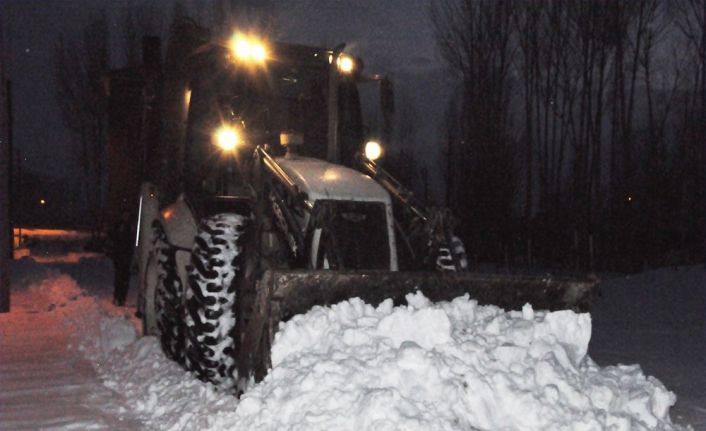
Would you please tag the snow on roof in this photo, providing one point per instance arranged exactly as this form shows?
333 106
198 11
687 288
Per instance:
323 180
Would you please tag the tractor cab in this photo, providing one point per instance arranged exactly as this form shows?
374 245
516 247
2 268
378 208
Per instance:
284 98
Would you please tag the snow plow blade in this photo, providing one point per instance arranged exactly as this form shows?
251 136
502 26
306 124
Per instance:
283 294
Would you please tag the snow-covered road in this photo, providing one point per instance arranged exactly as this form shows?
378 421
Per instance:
44 382
69 359
658 319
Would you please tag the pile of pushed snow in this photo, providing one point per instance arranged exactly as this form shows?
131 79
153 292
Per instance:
57 290
446 366
160 393
452 365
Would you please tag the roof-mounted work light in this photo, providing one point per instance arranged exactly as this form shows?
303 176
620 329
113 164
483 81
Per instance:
248 49
373 150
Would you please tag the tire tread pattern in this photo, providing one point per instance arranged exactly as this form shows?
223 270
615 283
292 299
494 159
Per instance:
210 300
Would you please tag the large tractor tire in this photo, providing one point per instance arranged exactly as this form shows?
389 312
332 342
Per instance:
210 300
168 307
452 256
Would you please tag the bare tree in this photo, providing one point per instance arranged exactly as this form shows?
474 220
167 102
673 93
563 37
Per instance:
453 138
527 25
689 17
80 67
474 39
588 87
139 19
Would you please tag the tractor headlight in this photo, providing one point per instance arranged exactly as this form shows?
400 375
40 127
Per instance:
248 49
373 150
227 138
345 63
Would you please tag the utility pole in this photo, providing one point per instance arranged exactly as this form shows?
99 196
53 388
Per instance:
5 236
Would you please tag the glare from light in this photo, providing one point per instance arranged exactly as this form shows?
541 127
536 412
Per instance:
139 220
227 138
373 150
345 63
187 98
248 49
290 138
42 201
242 48
331 175
258 53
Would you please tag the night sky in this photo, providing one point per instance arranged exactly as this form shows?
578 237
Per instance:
31 30
394 37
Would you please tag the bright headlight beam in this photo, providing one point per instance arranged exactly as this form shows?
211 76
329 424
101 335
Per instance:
248 49
227 138
373 150
345 63
242 48
258 53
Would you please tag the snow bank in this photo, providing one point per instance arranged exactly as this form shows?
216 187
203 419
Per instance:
454 365
97 327
446 366
52 245
161 394
156 391
56 291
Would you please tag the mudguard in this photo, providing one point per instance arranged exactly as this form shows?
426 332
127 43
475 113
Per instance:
148 210
179 225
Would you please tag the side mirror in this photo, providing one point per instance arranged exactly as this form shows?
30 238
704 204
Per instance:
287 139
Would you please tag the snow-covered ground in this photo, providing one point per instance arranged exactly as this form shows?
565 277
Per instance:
658 319
69 359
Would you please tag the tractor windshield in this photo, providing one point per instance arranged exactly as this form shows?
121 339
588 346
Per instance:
287 94
283 97
338 227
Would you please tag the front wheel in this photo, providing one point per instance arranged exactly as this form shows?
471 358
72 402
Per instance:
210 300
452 256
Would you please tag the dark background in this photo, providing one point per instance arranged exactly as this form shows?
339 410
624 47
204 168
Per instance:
564 133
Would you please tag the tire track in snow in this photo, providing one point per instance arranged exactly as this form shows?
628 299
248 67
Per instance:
44 384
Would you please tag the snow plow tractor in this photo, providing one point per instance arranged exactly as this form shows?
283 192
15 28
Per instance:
264 200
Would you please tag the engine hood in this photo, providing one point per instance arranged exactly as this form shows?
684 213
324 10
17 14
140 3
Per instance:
322 180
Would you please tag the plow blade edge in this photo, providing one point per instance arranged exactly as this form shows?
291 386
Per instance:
283 294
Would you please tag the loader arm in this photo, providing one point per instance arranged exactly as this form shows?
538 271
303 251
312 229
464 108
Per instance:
427 228
394 187
285 198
